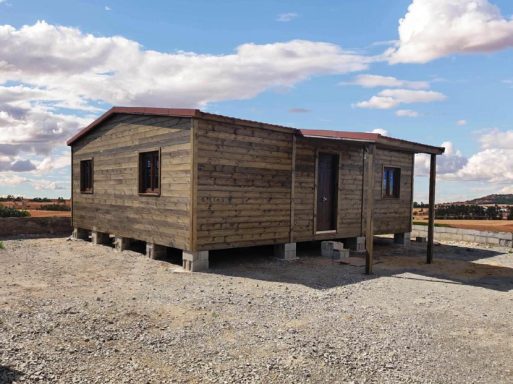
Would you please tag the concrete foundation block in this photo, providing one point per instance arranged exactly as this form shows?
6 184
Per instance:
333 249
402 238
469 238
195 261
80 234
492 241
121 243
356 244
100 238
506 243
155 251
285 251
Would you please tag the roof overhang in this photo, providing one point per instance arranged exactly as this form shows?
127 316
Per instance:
372 138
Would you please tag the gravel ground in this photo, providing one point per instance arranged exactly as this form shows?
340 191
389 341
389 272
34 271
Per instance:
72 312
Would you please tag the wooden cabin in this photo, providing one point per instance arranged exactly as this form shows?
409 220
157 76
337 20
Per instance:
197 182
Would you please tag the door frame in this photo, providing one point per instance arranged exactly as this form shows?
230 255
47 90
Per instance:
316 186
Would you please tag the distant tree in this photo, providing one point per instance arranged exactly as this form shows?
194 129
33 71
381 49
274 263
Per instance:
493 213
461 211
41 200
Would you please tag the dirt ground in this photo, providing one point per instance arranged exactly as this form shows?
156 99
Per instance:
33 207
41 213
480 225
72 312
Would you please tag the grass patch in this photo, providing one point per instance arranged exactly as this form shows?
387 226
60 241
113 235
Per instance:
2 246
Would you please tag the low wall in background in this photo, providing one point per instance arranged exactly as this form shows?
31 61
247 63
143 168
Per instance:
504 239
18 226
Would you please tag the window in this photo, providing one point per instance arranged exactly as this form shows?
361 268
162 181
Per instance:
86 176
391 182
149 173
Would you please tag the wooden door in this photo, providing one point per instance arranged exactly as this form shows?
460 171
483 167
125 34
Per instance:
327 186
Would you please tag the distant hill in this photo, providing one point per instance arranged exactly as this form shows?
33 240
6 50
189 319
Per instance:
492 199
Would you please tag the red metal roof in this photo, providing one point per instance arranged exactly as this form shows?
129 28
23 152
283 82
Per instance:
362 136
375 138
312 133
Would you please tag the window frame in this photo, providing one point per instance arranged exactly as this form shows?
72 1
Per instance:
83 189
385 188
149 192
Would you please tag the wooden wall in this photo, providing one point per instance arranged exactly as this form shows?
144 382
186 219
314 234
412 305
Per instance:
243 185
393 215
244 188
115 206
349 189
226 185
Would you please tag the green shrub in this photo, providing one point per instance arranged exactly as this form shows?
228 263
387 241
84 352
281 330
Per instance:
12 212
2 245
54 207
41 200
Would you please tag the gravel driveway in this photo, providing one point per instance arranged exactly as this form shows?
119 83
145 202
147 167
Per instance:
72 312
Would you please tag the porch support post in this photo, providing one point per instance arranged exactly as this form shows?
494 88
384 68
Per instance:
431 221
369 214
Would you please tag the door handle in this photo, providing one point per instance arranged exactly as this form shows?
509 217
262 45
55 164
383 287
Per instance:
324 199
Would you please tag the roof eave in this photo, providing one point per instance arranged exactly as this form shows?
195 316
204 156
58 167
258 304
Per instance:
384 141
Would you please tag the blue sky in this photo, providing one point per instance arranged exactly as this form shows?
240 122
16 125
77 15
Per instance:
342 65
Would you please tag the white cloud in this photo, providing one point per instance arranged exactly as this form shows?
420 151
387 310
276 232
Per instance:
381 131
390 98
450 162
286 17
11 179
52 78
507 189
118 71
493 163
461 122
496 138
406 113
50 163
435 28
107 8
372 81
46 185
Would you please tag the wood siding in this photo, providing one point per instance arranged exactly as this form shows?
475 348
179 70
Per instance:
243 185
115 206
393 215
227 185
350 179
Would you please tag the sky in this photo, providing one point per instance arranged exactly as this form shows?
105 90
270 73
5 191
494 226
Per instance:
438 72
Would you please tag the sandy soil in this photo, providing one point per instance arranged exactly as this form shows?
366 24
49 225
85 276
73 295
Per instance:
74 312
33 208
480 225
39 213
